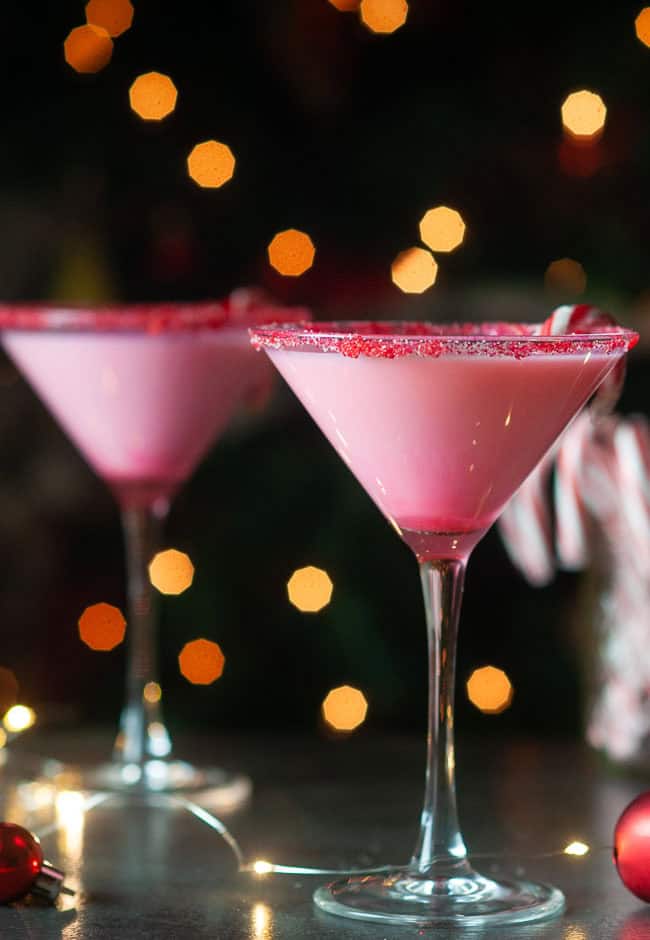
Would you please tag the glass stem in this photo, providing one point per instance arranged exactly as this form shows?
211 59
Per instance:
440 851
143 734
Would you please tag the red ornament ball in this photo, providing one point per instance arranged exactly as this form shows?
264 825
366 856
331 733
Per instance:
632 847
21 859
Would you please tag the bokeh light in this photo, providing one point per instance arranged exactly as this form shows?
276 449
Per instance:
414 270
442 228
490 690
383 16
201 662
345 708
261 867
88 49
211 164
152 693
576 848
3 738
565 277
8 689
584 113
291 252
19 718
346 6
115 16
102 626
642 26
171 571
153 96
310 589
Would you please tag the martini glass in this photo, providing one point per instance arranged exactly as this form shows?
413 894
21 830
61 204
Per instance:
144 391
440 425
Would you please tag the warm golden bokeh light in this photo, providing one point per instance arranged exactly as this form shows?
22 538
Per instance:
201 661
152 693
414 270
442 228
211 164
642 26
383 16
584 113
115 16
153 96
345 708
8 689
490 690
345 6
88 49
171 571
565 276
576 848
19 718
291 252
310 589
260 867
102 626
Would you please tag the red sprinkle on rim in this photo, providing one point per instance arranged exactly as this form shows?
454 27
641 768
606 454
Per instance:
391 339
243 308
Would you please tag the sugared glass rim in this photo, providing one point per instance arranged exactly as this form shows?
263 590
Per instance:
242 309
390 339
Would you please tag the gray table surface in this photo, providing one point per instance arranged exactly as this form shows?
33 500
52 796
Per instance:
156 872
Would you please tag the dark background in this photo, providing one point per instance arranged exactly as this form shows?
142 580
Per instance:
350 137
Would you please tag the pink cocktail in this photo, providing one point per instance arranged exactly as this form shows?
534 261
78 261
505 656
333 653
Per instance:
144 391
440 425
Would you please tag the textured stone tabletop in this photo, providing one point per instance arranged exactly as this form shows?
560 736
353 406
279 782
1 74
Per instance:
157 872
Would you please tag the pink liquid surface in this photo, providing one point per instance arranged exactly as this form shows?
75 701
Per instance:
441 443
143 409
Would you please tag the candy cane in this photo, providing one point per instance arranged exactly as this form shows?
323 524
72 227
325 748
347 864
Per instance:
526 527
571 515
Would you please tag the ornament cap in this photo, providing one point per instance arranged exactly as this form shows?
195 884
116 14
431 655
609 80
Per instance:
48 884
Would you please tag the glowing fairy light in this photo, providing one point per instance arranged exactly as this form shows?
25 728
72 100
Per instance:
345 708
153 96
642 26
19 718
102 627
565 276
310 589
490 690
442 228
291 252
383 16
201 662
152 693
584 113
211 164
262 867
115 16
88 49
576 848
414 270
171 571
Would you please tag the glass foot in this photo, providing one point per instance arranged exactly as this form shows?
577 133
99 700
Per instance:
215 787
410 898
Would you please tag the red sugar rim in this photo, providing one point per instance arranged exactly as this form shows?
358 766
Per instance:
243 308
390 339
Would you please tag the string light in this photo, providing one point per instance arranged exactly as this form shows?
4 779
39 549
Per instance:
642 26
576 848
442 228
153 96
565 276
115 16
414 270
584 113
19 718
261 867
171 571
383 16
88 49
211 164
291 252
201 662
102 627
345 708
490 690
310 589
